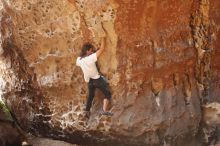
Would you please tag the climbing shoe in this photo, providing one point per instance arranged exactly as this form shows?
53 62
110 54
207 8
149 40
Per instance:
107 113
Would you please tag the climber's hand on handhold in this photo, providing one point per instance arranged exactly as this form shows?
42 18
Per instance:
102 47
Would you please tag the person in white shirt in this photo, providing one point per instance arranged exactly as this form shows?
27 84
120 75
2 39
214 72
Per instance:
87 61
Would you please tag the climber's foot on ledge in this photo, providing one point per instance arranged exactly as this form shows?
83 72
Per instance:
107 113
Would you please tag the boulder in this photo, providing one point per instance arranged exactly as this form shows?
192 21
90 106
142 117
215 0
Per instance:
161 61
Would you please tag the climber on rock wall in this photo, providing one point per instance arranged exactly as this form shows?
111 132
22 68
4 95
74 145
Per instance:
87 61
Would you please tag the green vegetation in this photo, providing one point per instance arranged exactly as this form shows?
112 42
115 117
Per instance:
6 111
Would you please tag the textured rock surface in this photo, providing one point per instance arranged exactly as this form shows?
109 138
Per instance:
161 60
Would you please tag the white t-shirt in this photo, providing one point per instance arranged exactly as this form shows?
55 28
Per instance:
88 66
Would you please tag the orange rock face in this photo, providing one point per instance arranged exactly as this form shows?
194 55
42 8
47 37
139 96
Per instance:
161 61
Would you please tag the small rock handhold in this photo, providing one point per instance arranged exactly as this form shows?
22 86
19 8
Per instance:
25 143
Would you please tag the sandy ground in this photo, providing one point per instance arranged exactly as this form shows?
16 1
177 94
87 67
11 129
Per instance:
36 141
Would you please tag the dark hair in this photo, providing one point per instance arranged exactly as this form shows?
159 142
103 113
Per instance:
87 46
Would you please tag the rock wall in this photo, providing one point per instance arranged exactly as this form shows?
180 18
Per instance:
161 61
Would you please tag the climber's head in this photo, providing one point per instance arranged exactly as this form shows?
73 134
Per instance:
87 50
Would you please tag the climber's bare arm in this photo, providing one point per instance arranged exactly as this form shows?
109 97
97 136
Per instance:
102 47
